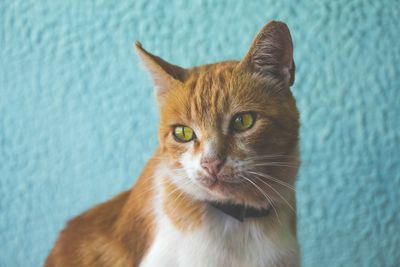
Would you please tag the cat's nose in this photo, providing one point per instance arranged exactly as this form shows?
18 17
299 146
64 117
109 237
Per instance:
212 165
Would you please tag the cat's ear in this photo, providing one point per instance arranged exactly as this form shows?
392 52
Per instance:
272 52
164 75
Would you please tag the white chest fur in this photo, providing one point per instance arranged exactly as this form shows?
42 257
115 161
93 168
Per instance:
222 241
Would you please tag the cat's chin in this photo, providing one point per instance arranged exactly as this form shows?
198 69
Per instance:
222 192
224 189
224 186
218 182
230 192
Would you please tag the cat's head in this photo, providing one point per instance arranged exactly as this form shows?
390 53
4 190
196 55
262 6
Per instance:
229 130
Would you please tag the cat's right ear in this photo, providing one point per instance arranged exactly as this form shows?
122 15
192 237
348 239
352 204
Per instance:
165 76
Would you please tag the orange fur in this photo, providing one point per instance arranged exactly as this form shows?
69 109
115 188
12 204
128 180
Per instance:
185 213
121 231
115 233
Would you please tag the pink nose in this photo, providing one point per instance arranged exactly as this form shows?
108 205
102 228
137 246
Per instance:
212 165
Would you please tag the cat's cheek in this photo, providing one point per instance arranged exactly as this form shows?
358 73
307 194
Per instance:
242 148
239 148
190 163
177 165
176 150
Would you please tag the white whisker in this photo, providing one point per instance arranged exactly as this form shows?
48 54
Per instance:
264 194
276 191
274 179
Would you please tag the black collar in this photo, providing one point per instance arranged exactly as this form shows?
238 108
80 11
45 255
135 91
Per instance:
240 212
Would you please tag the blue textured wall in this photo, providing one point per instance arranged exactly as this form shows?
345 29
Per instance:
78 119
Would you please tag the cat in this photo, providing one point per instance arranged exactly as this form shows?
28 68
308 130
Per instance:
219 190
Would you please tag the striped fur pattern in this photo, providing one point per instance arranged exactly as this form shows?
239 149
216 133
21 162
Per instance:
166 218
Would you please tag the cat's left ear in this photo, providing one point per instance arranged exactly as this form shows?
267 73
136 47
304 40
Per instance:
271 53
165 76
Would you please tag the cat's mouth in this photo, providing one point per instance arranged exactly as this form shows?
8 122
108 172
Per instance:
223 187
219 183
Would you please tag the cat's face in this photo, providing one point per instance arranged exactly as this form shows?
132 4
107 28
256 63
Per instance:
229 132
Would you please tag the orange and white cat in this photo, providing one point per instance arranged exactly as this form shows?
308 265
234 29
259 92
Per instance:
219 190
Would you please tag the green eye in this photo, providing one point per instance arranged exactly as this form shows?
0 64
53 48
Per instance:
183 133
243 121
